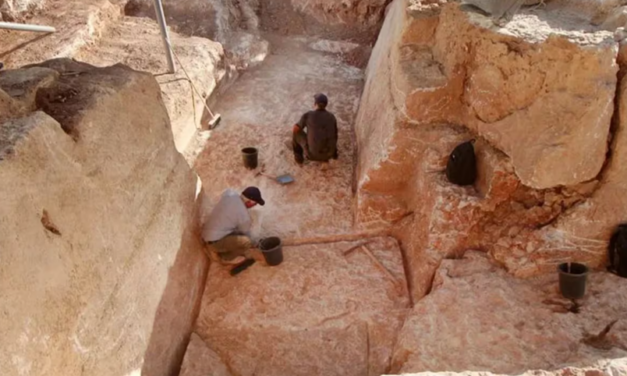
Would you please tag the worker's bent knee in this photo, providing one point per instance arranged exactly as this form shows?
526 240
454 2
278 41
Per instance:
236 244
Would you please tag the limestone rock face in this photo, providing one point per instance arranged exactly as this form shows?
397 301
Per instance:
202 361
11 10
545 183
600 368
520 96
101 268
529 325
318 313
350 19
210 19
202 59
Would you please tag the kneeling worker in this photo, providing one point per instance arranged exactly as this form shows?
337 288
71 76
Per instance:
319 143
227 230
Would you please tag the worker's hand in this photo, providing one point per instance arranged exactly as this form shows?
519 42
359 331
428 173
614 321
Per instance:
295 129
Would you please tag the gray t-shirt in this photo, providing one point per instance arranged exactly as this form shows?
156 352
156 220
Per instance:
230 215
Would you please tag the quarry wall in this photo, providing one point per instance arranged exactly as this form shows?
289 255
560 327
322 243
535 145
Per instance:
101 270
543 101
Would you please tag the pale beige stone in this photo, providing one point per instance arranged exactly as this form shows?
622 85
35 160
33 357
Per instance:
200 360
101 268
319 312
478 318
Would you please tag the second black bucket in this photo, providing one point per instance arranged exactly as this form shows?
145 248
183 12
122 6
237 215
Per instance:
272 250
250 158
573 278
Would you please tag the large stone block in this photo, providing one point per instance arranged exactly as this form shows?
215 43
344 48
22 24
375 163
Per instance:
102 269
519 92
351 19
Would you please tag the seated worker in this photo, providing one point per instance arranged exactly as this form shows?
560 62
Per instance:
319 142
227 230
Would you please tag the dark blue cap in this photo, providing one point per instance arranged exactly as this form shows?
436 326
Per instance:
253 193
321 98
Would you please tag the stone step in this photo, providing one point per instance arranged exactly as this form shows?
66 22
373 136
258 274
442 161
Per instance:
318 313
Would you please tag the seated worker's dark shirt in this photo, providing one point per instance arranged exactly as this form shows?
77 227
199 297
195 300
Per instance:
321 127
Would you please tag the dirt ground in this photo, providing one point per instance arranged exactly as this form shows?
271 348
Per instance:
259 111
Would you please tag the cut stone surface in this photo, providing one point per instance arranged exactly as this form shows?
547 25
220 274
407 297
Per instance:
351 19
202 361
210 19
318 313
101 269
542 117
137 43
529 325
601 368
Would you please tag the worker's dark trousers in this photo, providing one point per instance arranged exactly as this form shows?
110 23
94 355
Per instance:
299 144
301 149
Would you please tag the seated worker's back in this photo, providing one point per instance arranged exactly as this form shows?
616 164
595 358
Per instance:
315 135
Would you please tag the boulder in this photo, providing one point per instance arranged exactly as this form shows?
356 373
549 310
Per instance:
102 268
210 19
319 312
478 318
137 43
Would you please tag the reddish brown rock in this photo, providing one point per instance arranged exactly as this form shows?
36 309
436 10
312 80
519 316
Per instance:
519 94
201 361
319 312
478 318
608 367
435 65
351 19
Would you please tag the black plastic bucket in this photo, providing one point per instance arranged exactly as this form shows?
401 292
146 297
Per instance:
573 278
272 250
250 158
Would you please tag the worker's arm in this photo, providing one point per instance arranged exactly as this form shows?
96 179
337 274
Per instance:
301 125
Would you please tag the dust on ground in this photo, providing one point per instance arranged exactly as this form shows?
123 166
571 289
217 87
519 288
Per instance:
259 111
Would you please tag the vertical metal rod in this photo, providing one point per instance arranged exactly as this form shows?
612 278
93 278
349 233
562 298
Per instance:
165 35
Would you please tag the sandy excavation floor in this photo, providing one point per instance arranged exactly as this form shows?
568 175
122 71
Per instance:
259 111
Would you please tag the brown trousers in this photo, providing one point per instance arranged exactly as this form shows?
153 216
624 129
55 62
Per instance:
231 246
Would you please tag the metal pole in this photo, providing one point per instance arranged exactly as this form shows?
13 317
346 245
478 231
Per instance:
165 35
24 27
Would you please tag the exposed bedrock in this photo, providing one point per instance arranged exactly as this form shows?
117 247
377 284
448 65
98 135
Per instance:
544 103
